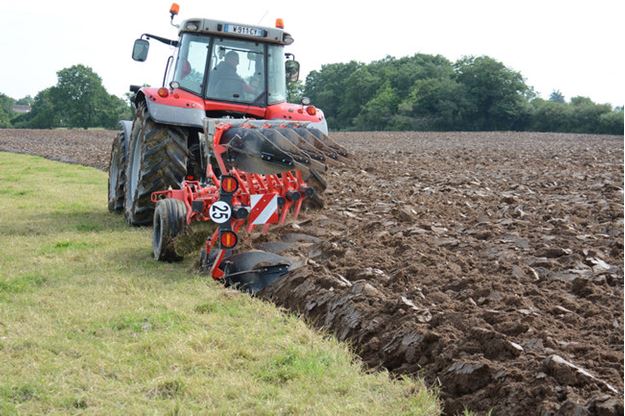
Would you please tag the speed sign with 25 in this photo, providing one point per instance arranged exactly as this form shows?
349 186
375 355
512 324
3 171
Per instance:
220 212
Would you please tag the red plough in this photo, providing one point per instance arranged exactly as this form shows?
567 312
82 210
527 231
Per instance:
263 172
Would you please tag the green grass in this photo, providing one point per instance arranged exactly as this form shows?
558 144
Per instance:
91 324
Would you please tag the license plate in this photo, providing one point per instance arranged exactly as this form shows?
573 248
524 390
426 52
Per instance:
244 30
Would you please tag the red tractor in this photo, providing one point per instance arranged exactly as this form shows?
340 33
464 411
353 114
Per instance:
221 113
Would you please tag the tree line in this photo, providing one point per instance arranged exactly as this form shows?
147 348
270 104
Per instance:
429 92
77 100
420 92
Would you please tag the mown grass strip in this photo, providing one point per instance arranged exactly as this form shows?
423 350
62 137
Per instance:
89 323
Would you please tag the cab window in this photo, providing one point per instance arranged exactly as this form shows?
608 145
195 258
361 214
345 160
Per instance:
191 63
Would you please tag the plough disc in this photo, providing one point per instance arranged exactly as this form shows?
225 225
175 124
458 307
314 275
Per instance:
251 151
252 271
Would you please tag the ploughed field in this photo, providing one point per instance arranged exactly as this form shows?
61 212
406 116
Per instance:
491 264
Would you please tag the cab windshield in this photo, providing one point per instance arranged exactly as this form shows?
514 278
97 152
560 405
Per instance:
232 70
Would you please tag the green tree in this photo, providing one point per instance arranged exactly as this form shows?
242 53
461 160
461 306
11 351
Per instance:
405 75
435 104
80 92
428 92
581 115
548 115
586 115
360 87
403 72
43 114
612 122
77 100
326 89
496 94
556 97
28 100
112 110
378 113
6 110
348 92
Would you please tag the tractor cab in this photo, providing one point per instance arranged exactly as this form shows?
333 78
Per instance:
228 62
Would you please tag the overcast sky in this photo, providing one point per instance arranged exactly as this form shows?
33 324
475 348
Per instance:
573 46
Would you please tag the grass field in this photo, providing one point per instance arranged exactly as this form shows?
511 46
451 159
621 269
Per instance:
91 324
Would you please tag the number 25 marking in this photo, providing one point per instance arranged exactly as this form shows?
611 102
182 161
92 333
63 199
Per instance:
220 212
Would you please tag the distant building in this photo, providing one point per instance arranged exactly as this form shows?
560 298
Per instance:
21 109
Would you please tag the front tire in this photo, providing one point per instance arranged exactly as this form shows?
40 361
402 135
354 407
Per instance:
157 160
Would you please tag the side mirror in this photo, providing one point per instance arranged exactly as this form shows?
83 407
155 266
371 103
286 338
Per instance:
292 70
140 50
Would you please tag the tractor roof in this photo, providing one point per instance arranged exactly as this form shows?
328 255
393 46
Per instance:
236 30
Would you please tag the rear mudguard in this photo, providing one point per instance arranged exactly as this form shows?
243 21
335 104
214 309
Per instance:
174 115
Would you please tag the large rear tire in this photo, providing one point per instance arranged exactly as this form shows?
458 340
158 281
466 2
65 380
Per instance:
117 173
170 220
157 159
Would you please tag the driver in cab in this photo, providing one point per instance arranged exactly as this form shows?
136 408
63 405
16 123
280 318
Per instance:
226 82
